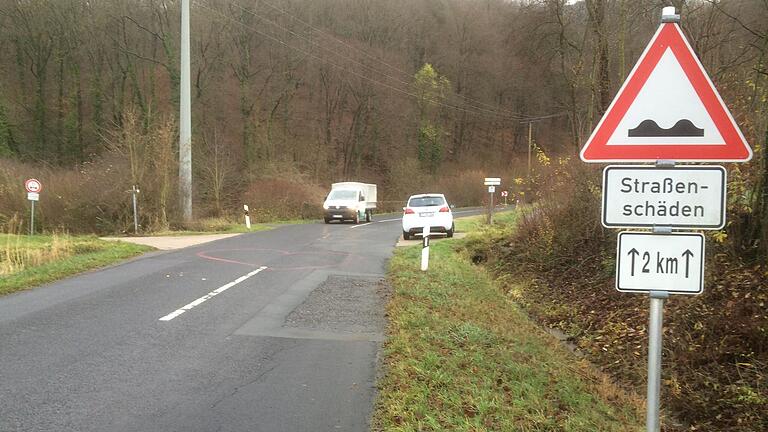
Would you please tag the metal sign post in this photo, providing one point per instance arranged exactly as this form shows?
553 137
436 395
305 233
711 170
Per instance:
32 219
491 190
655 321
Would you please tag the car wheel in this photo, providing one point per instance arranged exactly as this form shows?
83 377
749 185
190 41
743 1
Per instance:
368 214
327 220
449 233
406 235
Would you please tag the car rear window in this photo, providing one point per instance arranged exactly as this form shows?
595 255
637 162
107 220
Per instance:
426 201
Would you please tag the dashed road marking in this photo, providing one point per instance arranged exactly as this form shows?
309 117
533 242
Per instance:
210 295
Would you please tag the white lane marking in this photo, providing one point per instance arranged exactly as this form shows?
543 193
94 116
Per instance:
210 295
358 226
390 220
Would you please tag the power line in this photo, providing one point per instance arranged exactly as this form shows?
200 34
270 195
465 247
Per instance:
511 113
494 111
325 60
480 111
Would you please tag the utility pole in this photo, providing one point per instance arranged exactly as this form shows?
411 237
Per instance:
185 120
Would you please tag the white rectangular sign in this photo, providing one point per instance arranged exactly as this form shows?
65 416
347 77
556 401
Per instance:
491 189
660 262
677 197
33 196
492 181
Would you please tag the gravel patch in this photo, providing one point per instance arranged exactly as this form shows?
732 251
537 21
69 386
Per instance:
344 304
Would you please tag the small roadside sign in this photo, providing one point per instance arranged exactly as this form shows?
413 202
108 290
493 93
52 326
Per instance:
33 196
648 262
504 193
491 189
678 197
33 185
492 181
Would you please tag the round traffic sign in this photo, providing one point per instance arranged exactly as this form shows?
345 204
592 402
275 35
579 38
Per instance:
33 185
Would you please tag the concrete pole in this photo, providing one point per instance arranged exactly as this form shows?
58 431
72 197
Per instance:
185 120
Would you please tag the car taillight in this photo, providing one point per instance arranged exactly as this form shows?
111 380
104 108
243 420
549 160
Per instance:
409 211
445 210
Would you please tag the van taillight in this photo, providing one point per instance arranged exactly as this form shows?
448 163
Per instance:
409 211
445 210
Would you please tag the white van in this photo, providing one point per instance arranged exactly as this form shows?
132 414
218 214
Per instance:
350 201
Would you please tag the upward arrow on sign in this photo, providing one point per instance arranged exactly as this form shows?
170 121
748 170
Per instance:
669 109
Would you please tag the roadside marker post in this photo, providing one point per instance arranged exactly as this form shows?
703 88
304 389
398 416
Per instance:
135 191
33 187
425 249
667 111
247 216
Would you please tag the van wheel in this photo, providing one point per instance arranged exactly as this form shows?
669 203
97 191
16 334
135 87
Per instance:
368 214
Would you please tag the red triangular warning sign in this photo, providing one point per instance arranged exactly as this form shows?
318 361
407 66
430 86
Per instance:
667 109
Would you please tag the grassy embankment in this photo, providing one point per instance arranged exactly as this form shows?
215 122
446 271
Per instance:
27 261
461 356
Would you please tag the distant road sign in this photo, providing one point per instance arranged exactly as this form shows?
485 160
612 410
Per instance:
492 181
33 196
678 197
491 189
504 193
669 109
660 262
33 185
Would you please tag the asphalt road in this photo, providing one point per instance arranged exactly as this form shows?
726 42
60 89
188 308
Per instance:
271 331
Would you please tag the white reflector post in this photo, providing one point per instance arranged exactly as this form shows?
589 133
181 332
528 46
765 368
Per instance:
425 249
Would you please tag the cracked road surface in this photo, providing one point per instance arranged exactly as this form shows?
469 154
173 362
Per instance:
200 339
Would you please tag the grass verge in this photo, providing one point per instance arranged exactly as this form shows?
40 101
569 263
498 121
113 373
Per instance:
461 356
30 261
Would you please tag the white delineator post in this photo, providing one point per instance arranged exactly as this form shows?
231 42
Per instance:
134 191
247 216
425 249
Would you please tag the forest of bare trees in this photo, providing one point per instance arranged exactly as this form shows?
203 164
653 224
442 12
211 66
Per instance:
406 93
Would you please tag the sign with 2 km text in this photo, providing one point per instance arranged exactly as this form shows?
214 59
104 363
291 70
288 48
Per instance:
660 262
677 197
667 109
